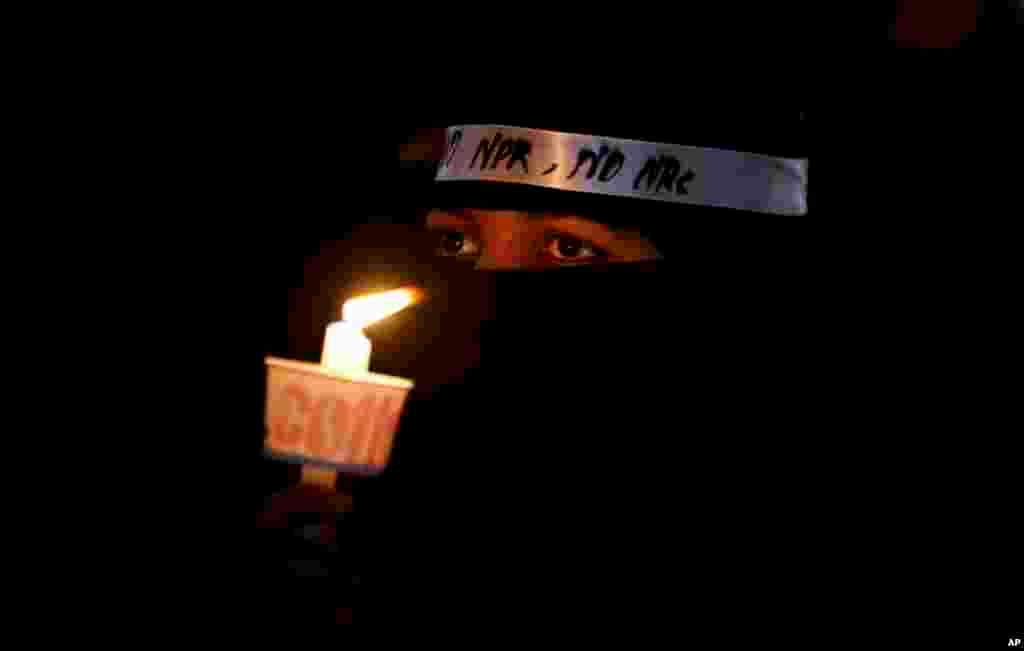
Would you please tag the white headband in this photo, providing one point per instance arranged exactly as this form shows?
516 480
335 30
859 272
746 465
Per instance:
701 176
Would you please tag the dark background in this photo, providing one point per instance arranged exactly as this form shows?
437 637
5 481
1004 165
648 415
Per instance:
205 189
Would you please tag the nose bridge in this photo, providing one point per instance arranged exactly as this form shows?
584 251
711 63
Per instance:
509 241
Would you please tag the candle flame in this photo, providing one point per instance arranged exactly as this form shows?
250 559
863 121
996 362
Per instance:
361 311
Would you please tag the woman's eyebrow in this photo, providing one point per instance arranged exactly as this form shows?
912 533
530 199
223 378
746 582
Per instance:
584 229
458 217
462 213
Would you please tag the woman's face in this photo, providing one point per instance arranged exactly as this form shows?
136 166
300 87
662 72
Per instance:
508 239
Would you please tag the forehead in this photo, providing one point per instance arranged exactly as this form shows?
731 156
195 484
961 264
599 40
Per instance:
481 214
517 219
501 222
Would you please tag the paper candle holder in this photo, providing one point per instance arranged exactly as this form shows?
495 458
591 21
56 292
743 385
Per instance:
343 421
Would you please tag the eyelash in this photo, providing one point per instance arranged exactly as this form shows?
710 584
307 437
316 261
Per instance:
551 238
466 239
550 241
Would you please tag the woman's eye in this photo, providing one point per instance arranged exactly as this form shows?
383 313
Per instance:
566 248
454 243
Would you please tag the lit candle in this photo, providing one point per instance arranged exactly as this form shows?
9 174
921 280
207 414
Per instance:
346 349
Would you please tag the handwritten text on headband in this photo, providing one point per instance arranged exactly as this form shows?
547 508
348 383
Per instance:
630 168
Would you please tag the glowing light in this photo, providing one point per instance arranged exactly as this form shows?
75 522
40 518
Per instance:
361 311
346 349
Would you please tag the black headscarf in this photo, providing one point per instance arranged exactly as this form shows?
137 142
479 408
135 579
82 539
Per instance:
623 416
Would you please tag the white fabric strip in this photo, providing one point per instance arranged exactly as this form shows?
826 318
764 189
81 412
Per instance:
700 176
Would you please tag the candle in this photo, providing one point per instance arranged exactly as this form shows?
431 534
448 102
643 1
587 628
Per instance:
346 349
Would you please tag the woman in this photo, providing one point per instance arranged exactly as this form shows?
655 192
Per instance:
684 410
678 351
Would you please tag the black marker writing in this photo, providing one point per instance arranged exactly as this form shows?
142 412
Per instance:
453 147
486 147
611 166
515 151
663 173
550 169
